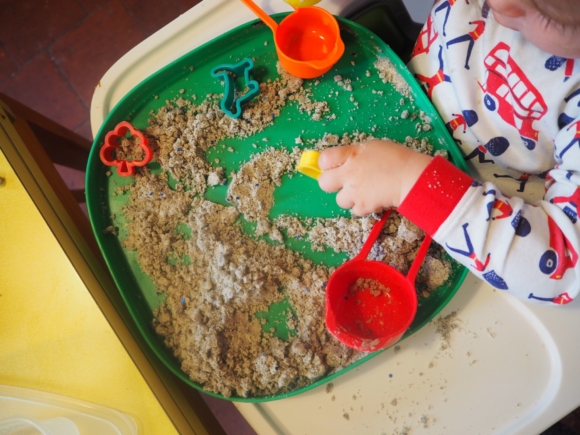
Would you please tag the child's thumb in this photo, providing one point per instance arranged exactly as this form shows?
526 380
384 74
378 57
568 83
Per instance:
333 157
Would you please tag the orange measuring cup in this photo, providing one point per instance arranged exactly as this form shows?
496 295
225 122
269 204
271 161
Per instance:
374 313
308 41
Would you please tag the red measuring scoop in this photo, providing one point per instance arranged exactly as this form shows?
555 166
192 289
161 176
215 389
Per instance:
369 304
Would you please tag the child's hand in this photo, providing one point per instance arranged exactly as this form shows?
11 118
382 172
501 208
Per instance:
371 176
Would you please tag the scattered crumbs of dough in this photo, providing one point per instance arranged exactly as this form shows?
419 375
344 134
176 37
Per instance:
435 272
491 333
214 277
444 327
110 230
345 84
251 190
376 288
346 416
129 149
329 387
389 73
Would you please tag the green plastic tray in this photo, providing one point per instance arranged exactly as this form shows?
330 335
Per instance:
298 194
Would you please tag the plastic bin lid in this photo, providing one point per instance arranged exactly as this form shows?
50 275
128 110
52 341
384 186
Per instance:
46 408
32 426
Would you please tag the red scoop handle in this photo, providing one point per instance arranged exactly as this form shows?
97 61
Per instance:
373 236
418 261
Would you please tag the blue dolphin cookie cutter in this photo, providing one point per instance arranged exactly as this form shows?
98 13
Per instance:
231 105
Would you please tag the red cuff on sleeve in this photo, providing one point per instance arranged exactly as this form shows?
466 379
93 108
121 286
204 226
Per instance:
435 194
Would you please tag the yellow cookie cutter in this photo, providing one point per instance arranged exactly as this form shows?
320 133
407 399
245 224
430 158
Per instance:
308 164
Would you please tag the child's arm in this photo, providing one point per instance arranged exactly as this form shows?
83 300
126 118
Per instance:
531 251
528 250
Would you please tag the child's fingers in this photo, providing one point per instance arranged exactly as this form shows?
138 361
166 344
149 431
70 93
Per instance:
361 209
344 199
330 181
333 157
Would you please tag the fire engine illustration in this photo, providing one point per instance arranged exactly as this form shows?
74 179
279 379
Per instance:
491 276
561 256
426 38
509 92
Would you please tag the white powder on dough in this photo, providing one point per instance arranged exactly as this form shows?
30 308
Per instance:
389 73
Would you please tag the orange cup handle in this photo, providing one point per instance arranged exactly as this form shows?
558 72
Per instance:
267 19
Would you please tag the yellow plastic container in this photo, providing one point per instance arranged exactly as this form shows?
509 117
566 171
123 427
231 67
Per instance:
308 164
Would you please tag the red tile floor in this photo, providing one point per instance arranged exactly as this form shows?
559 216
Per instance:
52 55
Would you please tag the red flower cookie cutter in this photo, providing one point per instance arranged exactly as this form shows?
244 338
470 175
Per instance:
125 168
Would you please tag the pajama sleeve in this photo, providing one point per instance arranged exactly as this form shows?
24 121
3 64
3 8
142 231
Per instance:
528 250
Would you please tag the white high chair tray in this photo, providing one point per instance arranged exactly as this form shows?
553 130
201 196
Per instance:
510 368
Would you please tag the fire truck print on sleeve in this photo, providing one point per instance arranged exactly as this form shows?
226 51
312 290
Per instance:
509 92
427 37
514 111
